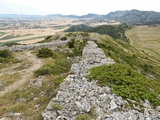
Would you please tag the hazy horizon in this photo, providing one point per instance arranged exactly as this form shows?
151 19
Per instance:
74 7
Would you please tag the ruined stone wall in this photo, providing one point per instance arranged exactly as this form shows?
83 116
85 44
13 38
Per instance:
76 95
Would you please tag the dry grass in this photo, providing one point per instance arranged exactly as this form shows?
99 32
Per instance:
146 38
31 33
9 78
28 32
36 98
39 97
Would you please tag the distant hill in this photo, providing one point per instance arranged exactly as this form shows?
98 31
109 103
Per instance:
115 31
135 17
127 16
77 28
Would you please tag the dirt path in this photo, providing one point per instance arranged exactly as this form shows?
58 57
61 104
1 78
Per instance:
36 63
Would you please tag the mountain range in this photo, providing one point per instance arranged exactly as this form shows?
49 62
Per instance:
127 16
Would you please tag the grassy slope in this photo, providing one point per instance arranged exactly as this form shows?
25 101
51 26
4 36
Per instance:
115 31
54 65
124 53
41 95
146 38
120 51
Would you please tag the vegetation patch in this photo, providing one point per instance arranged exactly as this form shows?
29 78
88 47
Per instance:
9 78
10 37
18 107
6 57
60 66
69 34
77 28
115 31
43 95
60 26
125 82
77 46
49 39
13 36
9 44
126 54
92 112
2 33
44 53
74 34
58 80
56 107
63 38
83 117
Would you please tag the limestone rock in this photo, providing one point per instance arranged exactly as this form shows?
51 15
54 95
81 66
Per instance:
76 95
20 100
158 108
113 105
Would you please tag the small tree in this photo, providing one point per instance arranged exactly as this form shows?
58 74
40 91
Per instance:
71 43
63 38
44 53
4 53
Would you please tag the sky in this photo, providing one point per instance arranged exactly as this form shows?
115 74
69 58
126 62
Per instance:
74 7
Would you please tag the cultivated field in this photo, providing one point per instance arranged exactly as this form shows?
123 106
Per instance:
26 31
146 38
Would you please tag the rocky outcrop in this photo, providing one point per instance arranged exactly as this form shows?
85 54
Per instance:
52 45
76 95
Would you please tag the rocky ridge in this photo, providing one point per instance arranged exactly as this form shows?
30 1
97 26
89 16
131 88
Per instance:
52 45
76 95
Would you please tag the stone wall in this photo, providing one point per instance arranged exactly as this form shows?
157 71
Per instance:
76 95
51 45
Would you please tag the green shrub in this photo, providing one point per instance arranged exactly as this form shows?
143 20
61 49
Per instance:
49 38
58 80
92 112
71 43
60 66
77 46
5 53
63 38
6 57
11 44
44 53
69 34
83 117
126 54
43 71
125 82
56 107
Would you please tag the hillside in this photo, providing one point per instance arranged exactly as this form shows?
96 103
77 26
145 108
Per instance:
64 86
135 17
146 39
77 28
128 16
115 31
